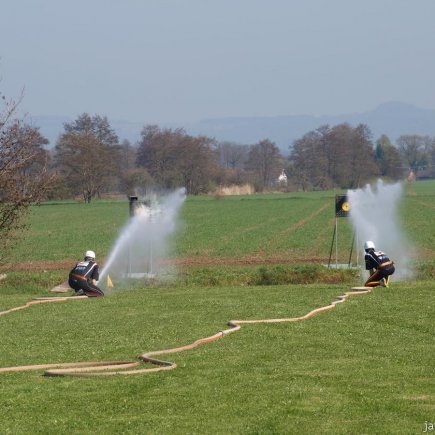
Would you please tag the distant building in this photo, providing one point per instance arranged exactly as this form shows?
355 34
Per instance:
282 179
411 176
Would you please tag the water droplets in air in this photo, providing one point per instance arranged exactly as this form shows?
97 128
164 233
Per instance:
375 216
142 247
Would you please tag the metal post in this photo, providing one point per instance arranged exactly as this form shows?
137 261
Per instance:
336 243
332 243
132 207
133 202
351 249
357 249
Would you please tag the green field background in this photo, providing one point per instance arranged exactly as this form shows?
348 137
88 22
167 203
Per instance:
365 367
297 226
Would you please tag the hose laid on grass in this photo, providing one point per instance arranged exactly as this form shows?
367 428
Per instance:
37 301
109 368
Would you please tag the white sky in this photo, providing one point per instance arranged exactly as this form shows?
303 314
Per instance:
185 60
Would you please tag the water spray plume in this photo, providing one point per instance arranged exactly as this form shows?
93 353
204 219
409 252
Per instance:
143 244
374 216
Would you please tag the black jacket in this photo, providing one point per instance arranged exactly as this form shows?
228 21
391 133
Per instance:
86 269
374 259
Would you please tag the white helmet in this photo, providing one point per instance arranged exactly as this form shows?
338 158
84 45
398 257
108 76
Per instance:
369 245
90 254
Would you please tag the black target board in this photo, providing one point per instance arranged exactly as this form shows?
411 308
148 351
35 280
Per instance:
133 204
342 206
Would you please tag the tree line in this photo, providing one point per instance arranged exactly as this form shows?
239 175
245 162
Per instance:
89 161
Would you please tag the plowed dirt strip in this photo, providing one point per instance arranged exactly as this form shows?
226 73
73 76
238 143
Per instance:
108 368
256 259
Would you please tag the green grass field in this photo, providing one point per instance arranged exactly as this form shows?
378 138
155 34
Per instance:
364 367
228 227
294 226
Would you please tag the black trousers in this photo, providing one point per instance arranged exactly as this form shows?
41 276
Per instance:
380 273
89 289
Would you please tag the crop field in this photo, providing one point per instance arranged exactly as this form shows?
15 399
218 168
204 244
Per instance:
282 228
365 366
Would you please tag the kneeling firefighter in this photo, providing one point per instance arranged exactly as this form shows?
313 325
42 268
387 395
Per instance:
379 265
84 276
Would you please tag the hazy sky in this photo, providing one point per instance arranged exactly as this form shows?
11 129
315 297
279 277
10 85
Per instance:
185 60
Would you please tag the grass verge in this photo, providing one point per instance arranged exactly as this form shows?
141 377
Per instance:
364 367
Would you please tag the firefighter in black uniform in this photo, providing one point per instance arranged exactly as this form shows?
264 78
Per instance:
379 265
84 276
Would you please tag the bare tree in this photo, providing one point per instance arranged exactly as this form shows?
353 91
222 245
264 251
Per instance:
157 153
173 158
24 176
432 158
128 171
388 158
88 165
341 156
198 164
265 160
415 150
96 125
310 160
137 181
232 155
88 156
361 157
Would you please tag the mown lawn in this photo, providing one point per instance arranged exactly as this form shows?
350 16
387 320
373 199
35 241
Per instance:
364 367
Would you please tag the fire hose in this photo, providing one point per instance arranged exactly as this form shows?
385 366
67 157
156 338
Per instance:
109 368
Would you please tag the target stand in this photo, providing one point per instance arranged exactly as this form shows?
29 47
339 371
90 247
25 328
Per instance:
342 210
135 207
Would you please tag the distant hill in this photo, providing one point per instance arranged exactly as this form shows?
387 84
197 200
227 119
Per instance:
393 119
